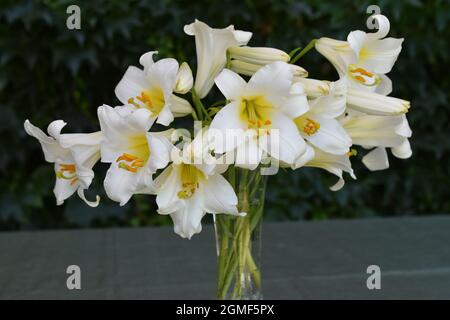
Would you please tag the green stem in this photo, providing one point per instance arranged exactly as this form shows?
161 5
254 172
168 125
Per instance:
239 275
199 107
304 51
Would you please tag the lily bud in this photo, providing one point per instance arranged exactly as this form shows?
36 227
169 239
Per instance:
314 88
184 80
376 104
248 69
258 55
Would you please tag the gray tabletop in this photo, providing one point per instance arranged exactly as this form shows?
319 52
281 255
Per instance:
300 260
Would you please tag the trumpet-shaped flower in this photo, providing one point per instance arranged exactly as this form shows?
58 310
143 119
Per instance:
319 126
379 132
211 45
363 60
134 153
152 88
189 188
335 164
264 107
73 156
364 57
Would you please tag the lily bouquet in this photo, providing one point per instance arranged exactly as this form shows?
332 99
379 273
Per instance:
272 115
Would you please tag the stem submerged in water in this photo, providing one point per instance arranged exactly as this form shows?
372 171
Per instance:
239 276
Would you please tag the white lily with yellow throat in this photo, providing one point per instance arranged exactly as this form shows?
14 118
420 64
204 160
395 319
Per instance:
135 153
73 155
153 88
364 60
193 186
259 118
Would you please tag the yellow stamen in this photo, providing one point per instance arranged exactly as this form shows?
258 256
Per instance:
145 98
73 181
363 76
362 71
256 112
131 101
130 162
311 127
126 157
190 177
152 99
360 79
352 152
66 168
123 165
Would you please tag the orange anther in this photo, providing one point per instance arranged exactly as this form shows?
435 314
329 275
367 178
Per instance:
360 79
126 157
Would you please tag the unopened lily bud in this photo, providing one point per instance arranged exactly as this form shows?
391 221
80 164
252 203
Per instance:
248 69
298 71
314 88
258 55
184 79
244 68
375 103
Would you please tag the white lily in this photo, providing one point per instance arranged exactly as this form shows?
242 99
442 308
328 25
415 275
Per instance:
73 156
264 107
335 164
188 189
379 132
363 60
364 57
134 153
211 45
152 88
319 126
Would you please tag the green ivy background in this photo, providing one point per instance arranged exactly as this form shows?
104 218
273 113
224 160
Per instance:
48 72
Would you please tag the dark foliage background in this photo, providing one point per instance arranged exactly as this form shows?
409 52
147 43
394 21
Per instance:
48 72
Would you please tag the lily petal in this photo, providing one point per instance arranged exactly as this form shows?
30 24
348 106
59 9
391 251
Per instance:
220 197
230 84
377 159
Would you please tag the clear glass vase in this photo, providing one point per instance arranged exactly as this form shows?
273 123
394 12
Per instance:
239 238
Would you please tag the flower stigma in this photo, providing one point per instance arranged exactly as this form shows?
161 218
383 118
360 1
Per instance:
130 162
69 169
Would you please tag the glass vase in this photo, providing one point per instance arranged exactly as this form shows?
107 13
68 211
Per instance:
238 238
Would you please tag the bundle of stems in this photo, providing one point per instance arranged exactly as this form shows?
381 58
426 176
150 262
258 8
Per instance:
238 238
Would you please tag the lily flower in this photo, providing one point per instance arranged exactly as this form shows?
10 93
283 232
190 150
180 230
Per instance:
211 45
188 189
73 156
364 57
152 88
335 164
134 153
363 60
264 107
379 132
319 125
